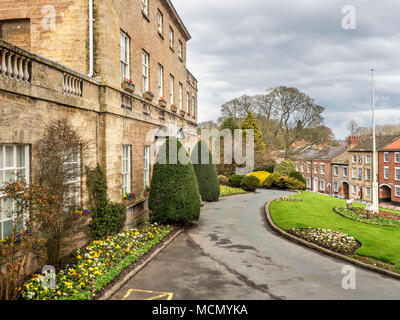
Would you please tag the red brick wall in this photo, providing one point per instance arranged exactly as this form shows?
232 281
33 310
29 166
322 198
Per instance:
391 182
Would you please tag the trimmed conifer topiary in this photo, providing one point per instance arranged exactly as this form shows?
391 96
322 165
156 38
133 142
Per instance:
206 172
235 180
250 183
297 175
174 194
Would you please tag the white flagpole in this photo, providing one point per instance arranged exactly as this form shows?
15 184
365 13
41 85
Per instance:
375 196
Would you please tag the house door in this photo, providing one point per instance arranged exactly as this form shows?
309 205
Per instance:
315 184
346 188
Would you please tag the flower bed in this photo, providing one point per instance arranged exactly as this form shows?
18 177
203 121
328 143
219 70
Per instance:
384 218
290 199
97 265
226 191
328 239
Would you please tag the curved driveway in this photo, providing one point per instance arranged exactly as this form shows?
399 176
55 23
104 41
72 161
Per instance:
234 232
232 253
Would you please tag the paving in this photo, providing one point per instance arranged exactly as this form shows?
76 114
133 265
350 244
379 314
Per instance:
232 253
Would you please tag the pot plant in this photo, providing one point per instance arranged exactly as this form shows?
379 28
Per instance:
128 85
182 113
173 108
162 102
146 191
148 95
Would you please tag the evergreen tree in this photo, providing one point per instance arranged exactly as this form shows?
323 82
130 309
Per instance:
230 124
250 123
206 173
174 194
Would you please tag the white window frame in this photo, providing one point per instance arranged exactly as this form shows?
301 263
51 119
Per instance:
360 173
336 186
397 191
171 38
145 7
386 173
160 81
368 174
12 169
180 49
322 168
76 161
125 55
145 70
315 167
368 192
308 182
171 88
126 168
354 159
397 174
345 172
336 170
354 187
146 156
309 167
188 102
194 106
354 173
367 159
297 166
322 184
386 157
160 21
360 159
180 96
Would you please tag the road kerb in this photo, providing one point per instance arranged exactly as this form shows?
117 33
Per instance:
142 264
324 250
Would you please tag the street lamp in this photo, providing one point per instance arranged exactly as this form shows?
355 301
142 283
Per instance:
375 196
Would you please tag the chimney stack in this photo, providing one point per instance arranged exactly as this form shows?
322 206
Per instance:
352 141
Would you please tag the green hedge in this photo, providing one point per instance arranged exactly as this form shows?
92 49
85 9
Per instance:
174 194
206 173
236 180
250 183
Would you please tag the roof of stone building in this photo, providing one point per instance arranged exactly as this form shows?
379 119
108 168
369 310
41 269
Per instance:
341 159
321 154
381 142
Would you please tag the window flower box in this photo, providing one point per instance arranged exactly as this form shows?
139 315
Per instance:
129 196
173 108
148 95
162 102
182 113
128 85
146 191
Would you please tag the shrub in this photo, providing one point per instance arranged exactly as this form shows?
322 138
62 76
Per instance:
108 218
174 195
285 168
206 173
293 184
271 180
235 180
224 181
269 168
250 183
297 175
261 175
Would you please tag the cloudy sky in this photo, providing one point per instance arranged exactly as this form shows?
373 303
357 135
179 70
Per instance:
245 47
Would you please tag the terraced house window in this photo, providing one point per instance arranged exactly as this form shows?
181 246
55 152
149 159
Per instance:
386 156
368 192
336 170
368 174
360 159
354 173
124 44
145 7
315 168
360 173
397 191
308 167
297 166
354 159
336 186
146 166
308 182
345 172
367 159
145 70
302 167
322 185
160 81
354 189
160 21
397 157
14 162
386 173
322 168
397 173
126 168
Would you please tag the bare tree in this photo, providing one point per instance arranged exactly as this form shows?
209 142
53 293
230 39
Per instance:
237 108
353 127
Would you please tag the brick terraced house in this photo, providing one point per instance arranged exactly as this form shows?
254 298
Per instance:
389 173
361 167
69 59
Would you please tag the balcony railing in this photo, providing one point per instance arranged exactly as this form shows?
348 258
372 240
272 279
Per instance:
14 66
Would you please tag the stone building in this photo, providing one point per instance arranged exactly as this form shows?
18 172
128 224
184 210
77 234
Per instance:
389 173
69 59
361 166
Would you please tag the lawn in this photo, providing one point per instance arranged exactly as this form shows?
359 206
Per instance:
379 242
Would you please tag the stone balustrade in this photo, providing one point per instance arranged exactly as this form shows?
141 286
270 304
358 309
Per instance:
72 86
126 101
14 65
